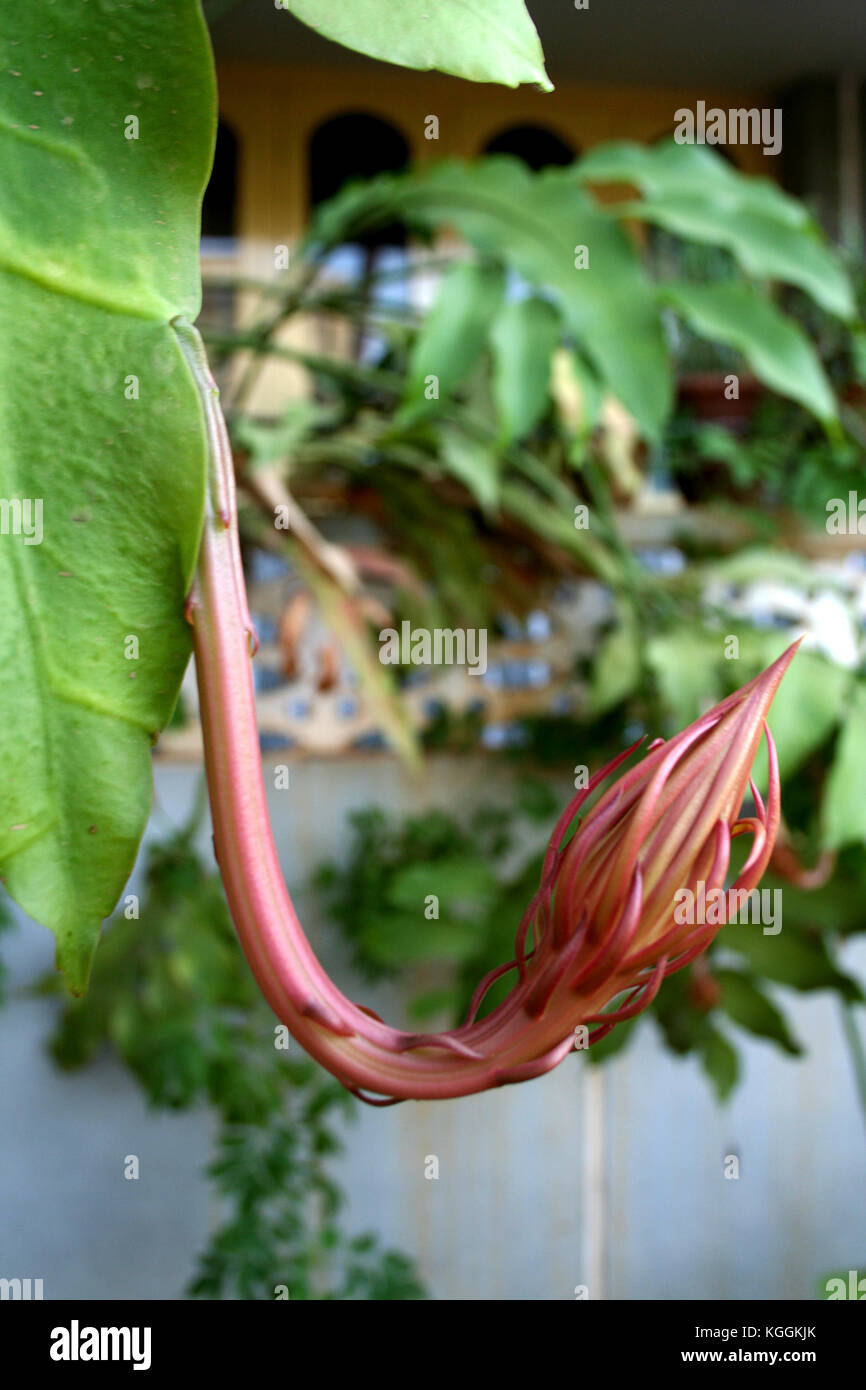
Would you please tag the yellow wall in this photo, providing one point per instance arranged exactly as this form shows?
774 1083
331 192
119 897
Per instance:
274 109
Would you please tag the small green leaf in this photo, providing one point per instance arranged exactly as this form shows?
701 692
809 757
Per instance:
522 339
486 41
277 442
474 464
685 664
743 1002
459 884
720 1062
843 811
694 193
452 336
775 346
404 939
616 673
790 957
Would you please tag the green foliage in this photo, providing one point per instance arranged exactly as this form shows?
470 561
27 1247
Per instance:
782 460
776 348
380 895
451 337
720 1062
534 223
488 41
98 252
173 998
744 1002
691 192
844 803
522 342
537 223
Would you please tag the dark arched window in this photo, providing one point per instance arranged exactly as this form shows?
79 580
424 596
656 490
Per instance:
219 206
218 232
356 145
535 145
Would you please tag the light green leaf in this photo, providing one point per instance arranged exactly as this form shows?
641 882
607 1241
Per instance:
277 442
758 562
616 672
556 523
668 168
579 394
685 663
790 957
474 464
695 194
843 809
461 885
402 939
523 338
775 346
452 336
101 426
720 1062
484 41
743 1002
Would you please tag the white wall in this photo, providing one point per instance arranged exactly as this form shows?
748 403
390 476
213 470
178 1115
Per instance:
610 1178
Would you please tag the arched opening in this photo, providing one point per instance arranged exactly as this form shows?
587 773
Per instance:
219 205
535 145
350 147
346 148
219 216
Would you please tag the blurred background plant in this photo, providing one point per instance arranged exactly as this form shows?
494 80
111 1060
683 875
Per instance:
177 1006
488 429
646 334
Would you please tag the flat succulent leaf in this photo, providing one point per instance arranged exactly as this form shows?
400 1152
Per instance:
106 129
789 957
745 1003
774 345
720 1062
843 809
483 40
475 464
523 339
451 337
694 194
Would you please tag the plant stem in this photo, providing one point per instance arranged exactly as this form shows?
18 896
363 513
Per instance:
509 1044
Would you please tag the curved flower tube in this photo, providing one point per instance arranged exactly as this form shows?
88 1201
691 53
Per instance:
602 926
